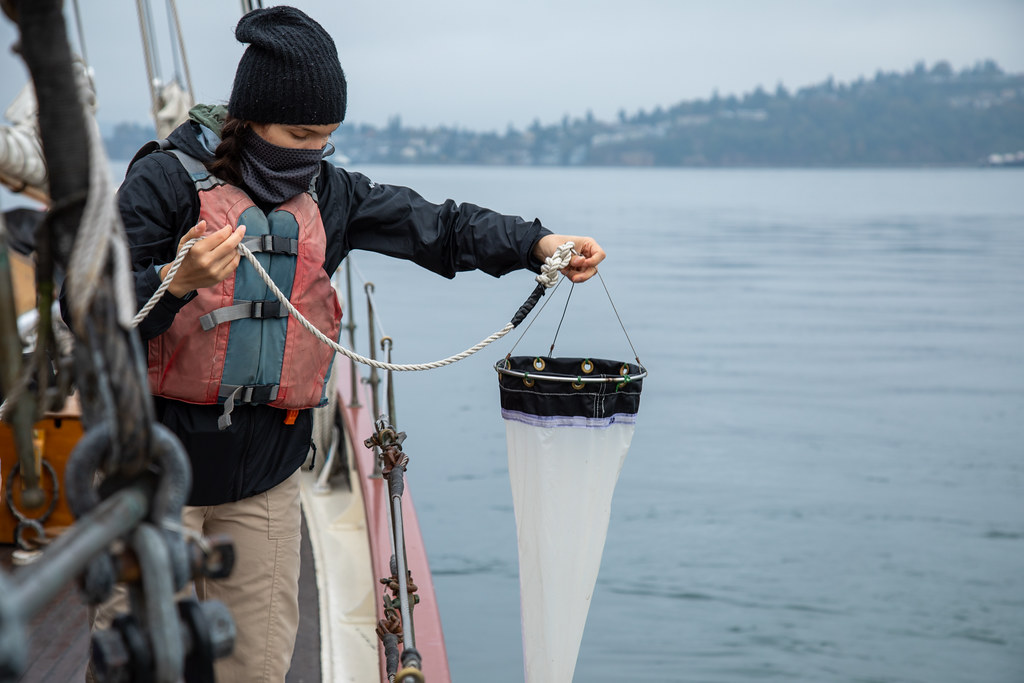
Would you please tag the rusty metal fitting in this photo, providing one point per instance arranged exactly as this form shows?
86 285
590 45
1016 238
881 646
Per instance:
393 585
391 623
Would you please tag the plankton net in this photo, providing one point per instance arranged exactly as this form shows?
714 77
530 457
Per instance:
568 421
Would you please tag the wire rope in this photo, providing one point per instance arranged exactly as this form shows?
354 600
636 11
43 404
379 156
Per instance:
81 32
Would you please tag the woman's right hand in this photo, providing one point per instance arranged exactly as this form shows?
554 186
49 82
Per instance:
209 261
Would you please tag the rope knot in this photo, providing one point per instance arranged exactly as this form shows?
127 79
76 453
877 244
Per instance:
554 263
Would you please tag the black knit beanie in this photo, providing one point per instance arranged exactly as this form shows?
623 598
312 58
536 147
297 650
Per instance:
290 72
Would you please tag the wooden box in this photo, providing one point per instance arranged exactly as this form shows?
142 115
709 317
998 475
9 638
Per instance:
54 437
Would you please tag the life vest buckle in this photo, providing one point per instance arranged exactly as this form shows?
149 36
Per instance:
265 309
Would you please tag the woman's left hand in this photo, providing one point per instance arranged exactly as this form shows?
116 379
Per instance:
583 265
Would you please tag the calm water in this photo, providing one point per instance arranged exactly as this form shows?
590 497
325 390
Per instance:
827 478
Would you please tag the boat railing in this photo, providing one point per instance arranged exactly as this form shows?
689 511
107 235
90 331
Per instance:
389 463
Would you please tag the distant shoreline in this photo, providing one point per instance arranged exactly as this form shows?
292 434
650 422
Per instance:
922 118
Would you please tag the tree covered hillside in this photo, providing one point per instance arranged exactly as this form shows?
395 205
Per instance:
925 116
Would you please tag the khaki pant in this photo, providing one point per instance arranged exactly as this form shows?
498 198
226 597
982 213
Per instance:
262 591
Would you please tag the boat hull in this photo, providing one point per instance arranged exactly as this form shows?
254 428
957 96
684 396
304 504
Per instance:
349 621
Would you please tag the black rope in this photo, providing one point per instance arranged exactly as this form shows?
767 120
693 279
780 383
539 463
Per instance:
528 305
390 653
536 317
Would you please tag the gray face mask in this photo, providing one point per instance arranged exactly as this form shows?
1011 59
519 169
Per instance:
276 174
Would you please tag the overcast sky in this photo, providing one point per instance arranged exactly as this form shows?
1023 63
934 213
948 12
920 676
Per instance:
486 64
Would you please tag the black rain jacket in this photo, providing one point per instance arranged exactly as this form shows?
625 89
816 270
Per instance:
158 203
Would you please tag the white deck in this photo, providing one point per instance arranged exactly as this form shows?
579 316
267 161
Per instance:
345 581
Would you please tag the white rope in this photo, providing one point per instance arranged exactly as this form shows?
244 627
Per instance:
159 293
548 277
553 264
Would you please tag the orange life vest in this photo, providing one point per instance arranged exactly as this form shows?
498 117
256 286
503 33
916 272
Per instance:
235 342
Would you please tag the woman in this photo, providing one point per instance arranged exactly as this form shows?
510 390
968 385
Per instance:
247 437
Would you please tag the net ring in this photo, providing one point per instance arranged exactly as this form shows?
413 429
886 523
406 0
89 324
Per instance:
538 364
587 366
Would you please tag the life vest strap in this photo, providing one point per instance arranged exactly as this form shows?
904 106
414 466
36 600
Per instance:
272 244
260 310
196 170
249 393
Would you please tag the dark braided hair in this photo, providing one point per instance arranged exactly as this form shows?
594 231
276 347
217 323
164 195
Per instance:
226 163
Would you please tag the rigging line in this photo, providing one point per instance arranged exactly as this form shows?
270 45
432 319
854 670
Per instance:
359 273
81 33
173 4
548 277
153 44
141 8
362 278
635 354
170 31
551 351
376 309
